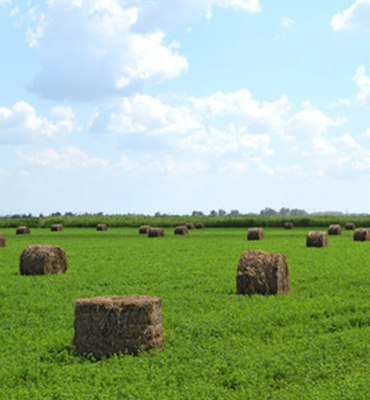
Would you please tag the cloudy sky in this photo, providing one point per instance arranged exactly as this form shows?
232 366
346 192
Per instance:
178 105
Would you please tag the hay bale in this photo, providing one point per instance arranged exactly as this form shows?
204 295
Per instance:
361 234
118 324
144 229
190 225
199 225
262 273
43 259
156 232
23 230
2 240
335 229
317 239
181 230
288 225
256 234
101 227
349 226
57 228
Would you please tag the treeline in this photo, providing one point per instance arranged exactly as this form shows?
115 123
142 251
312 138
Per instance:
133 220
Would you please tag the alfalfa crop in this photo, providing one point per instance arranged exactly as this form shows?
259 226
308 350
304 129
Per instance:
42 259
118 324
317 239
262 273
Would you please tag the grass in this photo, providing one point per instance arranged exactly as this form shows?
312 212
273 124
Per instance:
310 344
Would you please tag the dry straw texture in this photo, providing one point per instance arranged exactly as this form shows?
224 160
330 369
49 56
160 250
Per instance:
190 225
350 226
144 229
2 240
335 229
101 227
262 273
317 239
199 225
57 228
288 225
361 234
181 230
256 234
118 324
43 259
23 230
156 232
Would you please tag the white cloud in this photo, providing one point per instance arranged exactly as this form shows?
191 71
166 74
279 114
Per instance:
21 124
363 83
287 23
355 18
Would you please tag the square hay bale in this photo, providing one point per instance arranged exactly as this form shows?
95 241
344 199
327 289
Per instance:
317 239
361 234
2 240
262 273
42 259
156 232
349 226
144 229
288 225
101 227
57 228
181 230
23 230
256 234
335 229
190 225
199 225
118 324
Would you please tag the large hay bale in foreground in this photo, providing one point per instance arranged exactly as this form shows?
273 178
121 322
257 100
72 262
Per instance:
144 229
101 227
190 225
118 324
262 273
256 234
317 239
57 228
156 232
23 230
350 226
181 230
361 234
199 225
2 240
41 259
288 225
335 229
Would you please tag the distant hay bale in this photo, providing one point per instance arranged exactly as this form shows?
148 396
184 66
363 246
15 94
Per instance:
118 324
144 229
317 239
23 230
335 229
190 225
256 234
361 234
288 225
43 259
350 226
262 273
57 228
156 232
101 227
199 225
181 230
2 240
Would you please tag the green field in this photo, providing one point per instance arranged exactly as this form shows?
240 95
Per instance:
313 343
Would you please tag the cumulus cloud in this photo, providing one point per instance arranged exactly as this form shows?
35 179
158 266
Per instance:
363 83
21 124
355 18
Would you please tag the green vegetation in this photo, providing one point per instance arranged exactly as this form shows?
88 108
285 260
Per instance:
311 344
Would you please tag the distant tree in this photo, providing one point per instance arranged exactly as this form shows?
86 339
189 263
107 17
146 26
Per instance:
221 212
213 213
197 213
56 214
297 212
157 214
68 214
284 211
234 213
268 211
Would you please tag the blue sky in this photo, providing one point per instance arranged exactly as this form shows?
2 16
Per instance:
179 105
